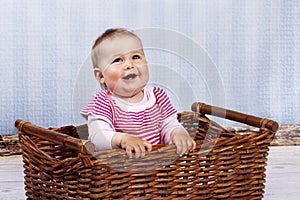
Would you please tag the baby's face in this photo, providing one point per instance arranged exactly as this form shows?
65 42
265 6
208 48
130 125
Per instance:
123 66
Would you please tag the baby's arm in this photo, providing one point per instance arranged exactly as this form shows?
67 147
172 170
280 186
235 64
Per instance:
100 132
104 137
131 144
174 133
183 141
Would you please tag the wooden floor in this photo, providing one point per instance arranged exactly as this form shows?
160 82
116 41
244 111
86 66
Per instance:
283 175
11 178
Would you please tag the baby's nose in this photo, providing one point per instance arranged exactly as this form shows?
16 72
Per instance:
129 65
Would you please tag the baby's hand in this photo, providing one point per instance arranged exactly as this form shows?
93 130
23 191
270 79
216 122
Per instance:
183 141
133 145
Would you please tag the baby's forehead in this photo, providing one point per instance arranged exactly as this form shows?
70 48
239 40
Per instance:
120 45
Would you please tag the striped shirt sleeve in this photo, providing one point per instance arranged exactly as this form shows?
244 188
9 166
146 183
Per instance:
100 133
164 103
169 114
100 105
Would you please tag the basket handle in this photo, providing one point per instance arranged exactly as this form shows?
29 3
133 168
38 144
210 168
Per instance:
235 116
83 146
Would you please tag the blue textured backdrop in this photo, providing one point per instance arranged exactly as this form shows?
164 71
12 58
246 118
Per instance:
255 45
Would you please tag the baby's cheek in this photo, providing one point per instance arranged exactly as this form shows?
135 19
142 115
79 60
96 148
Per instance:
112 81
114 77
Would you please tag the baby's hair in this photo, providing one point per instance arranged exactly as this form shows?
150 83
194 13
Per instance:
109 34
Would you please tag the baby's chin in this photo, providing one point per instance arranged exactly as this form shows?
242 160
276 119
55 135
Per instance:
129 93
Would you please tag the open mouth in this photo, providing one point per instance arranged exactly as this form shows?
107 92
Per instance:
130 76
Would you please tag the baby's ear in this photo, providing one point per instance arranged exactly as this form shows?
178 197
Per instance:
99 76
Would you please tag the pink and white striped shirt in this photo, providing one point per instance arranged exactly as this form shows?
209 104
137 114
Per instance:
152 119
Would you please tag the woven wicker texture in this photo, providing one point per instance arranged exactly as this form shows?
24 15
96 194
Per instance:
59 163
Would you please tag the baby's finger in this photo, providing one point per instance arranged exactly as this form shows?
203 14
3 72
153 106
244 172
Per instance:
148 146
193 146
129 150
139 151
180 148
190 146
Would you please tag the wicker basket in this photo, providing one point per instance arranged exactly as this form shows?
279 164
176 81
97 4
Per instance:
59 163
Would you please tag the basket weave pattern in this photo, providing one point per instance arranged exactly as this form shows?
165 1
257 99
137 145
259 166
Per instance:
224 165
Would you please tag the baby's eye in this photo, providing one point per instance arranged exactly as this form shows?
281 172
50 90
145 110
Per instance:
117 60
136 57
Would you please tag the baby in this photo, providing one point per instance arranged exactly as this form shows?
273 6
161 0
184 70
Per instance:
127 114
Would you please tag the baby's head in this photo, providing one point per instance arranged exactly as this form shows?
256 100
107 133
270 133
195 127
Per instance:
119 62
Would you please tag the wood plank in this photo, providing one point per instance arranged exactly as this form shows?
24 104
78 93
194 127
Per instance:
11 178
12 190
283 173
